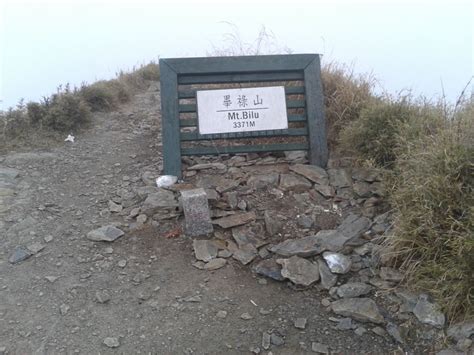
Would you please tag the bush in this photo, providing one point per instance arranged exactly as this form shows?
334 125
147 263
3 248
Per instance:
66 111
433 196
36 112
376 135
105 95
346 95
150 71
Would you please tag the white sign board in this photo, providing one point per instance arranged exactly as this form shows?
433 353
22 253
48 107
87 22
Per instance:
241 110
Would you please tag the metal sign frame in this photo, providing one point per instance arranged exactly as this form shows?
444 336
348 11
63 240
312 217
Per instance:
242 69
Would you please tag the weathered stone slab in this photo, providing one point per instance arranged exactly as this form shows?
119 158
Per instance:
299 271
215 264
353 289
269 268
159 201
312 172
361 309
339 178
295 183
108 233
244 235
204 250
307 246
273 223
235 220
19 254
428 313
196 212
337 263
325 190
328 279
205 166
245 253
263 181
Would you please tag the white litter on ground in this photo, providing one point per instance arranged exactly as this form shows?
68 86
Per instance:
70 138
166 180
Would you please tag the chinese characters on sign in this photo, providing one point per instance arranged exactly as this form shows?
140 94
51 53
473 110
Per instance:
241 110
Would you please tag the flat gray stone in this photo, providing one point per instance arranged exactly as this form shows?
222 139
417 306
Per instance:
461 330
299 271
269 268
273 223
328 279
205 166
353 289
428 313
19 254
339 178
115 207
390 274
294 183
361 309
215 264
111 342
276 339
263 181
8 174
204 250
244 235
325 190
337 263
319 348
35 248
235 220
300 323
162 200
306 246
266 340
196 212
353 227
105 234
245 253
311 172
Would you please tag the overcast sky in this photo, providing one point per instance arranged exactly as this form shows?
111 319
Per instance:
418 45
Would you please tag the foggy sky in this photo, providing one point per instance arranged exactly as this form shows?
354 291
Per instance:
419 45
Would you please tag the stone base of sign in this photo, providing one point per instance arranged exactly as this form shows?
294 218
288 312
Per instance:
196 213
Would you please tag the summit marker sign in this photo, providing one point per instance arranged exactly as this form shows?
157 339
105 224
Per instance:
241 110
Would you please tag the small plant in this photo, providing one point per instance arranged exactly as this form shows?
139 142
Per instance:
66 111
105 95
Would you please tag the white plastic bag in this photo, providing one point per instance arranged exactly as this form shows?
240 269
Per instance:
166 180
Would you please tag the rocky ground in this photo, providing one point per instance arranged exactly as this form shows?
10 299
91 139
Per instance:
94 258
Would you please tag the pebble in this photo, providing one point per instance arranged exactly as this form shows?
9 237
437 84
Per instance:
122 263
111 342
300 323
51 278
102 296
319 348
64 308
246 316
276 339
221 314
266 340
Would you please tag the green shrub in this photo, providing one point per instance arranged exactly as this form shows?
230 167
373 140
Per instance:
150 71
105 95
374 136
66 111
36 112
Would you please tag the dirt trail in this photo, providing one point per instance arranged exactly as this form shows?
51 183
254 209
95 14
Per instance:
141 289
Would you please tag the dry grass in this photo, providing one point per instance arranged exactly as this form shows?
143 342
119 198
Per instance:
346 95
69 109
